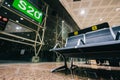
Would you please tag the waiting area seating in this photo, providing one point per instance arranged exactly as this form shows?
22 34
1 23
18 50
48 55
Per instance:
96 44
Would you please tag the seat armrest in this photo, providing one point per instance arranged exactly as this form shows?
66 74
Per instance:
82 42
117 35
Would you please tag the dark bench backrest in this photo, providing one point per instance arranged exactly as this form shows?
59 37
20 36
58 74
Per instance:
116 31
92 28
102 35
73 41
99 36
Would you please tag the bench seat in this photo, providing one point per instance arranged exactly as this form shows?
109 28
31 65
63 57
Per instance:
95 42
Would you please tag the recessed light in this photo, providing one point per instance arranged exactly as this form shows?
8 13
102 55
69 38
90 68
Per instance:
18 28
82 12
117 9
63 21
8 5
101 19
21 18
17 21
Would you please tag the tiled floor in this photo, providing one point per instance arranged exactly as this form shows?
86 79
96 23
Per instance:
33 71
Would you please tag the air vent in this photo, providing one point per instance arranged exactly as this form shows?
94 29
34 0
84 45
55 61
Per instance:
76 0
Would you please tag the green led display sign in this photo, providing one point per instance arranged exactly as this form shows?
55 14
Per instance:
28 9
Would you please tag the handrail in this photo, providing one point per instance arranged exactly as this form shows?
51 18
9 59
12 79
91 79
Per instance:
18 37
16 41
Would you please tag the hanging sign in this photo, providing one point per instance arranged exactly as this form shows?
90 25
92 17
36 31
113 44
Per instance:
28 9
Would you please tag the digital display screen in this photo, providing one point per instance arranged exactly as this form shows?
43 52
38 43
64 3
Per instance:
28 9
3 22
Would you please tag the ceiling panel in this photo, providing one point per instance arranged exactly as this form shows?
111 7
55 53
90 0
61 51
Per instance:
115 2
108 9
90 12
95 3
75 5
105 2
85 4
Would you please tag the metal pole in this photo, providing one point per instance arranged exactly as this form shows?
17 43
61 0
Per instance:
16 41
62 31
56 31
43 34
38 42
18 37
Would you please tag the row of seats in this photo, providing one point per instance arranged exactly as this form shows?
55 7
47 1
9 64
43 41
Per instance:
97 44
94 37
91 44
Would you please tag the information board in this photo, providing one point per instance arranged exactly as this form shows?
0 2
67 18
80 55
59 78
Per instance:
28 9
3 22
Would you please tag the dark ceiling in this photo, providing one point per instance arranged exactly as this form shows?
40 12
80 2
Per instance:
61 11
57 9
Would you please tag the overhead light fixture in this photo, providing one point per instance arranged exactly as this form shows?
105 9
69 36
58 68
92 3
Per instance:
82 12
101 19
117 9
17 21
63 21
8 5
21 19
18 28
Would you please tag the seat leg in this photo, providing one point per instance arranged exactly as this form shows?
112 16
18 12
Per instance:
64 67
61 68
72 66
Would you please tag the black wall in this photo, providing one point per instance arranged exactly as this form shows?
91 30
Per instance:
11 51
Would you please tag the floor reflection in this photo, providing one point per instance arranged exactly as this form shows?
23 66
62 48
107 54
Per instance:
41 71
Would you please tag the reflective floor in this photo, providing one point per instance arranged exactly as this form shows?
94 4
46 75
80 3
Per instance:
42 71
